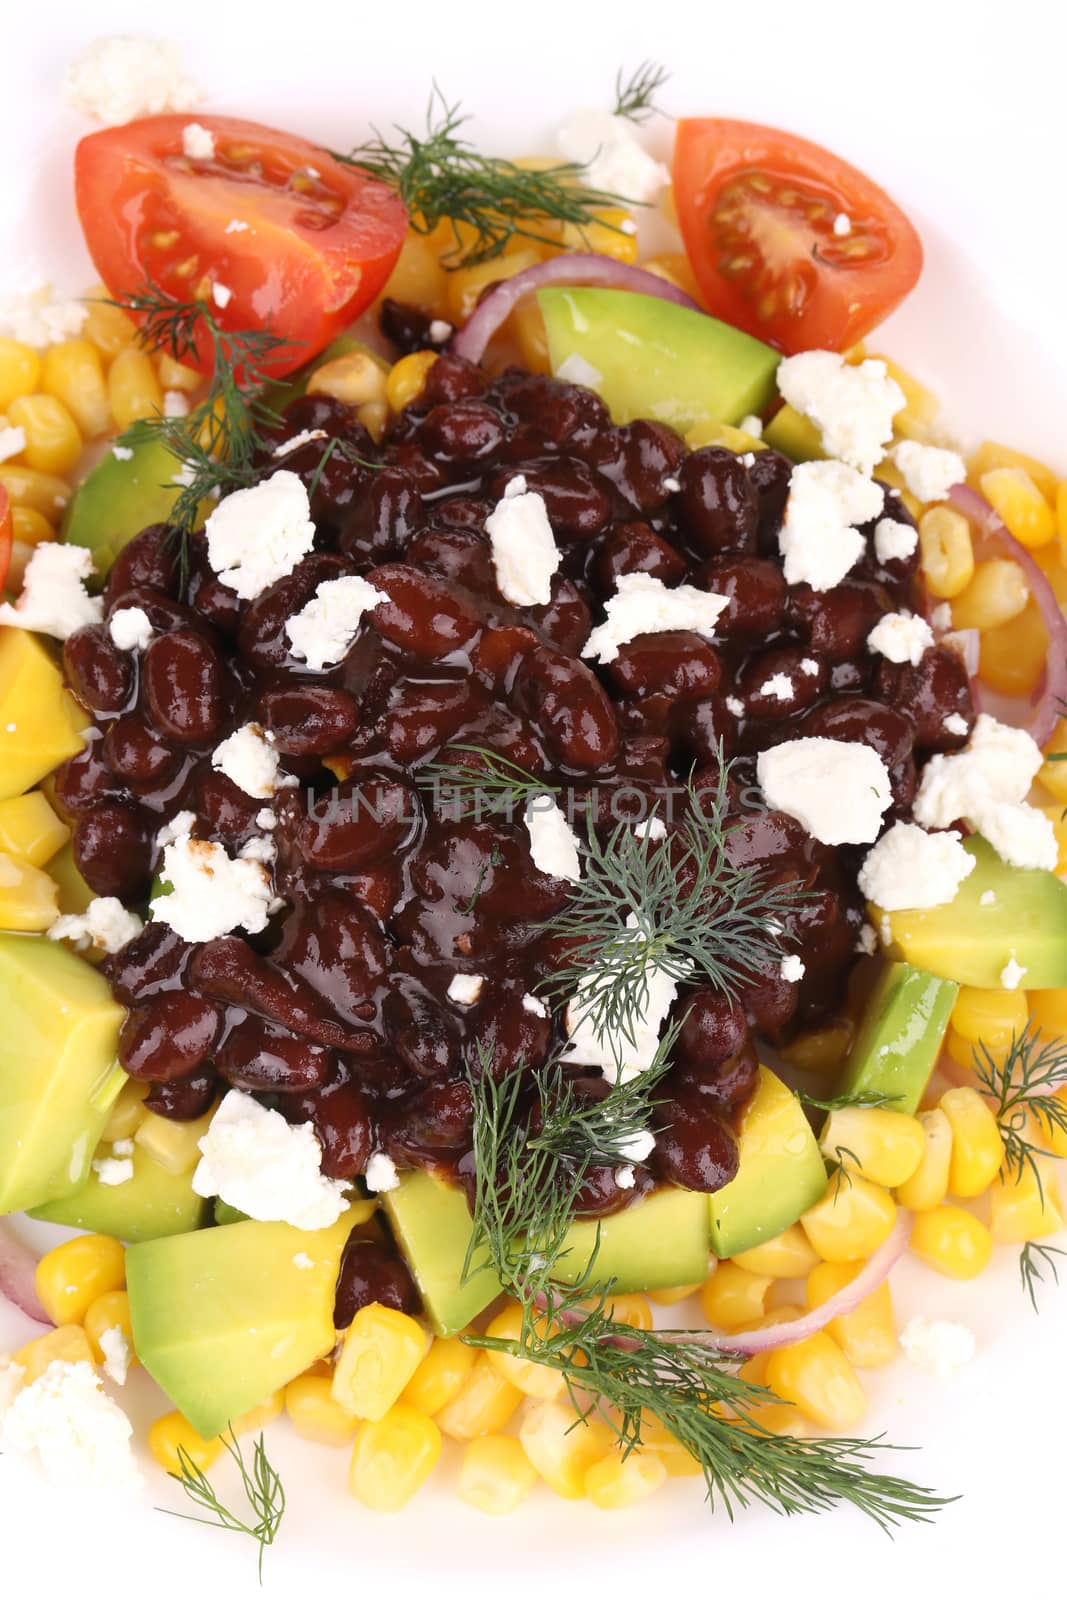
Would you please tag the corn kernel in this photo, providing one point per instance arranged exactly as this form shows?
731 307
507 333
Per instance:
128 1112
467 284
30 829
356 378
921 406
543 1383
679 1462
1048 1010
885 472
952 1241
928 1184
110 1310
74 373
314 1412
1053 775
776 1417
418 278
374 416
175 375
989 1013
733 1298
74 1274
133 389
268 1410
672 1297
107 326
173 1441
439 1376
1061 518
885 1146
867 1335
20 371
817 1378
997 593
977 1146
820 1049
673 267
788 1255
42 492
69 1343
1012 657
947 551
721 433
381 1350
563 1446
29 527
53 443
990 455
496 1475
485 1404
393 1457
610 232
407 379
1019 503
28 896
620 1480
1025 1205
528 326
852 1220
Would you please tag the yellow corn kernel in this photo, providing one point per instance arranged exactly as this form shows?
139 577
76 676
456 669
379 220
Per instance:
108 1311
997 593
107 326
268 1410
407 379
173 1441
485 1404
174 1146
634 1310
528 326
885 472
29 527
990 455
781 1418
28 902
374 416
673 267
733 1298
1053 775
620 1480
42 492
610 232
20 371
672 1297
977 1146
541 1382
128 1112
30 829
74 1274
1025 1205
314 1412
496 1475
852 1219
1061 517
962 1050
721 433
175 375
1011 658
947 551
53 443
921 405
817 1377
562 1446
439 1376
952 1241
1020 504
393 1457
928 1184
356 378
989 1013
74 373
867 1335
61 1344
381 1350
679 1462
133 389
1056 1138
1048 1010
418 278
820 1049
885 1146
788 1255
467 284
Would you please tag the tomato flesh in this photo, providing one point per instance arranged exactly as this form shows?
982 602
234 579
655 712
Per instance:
786 240
269 230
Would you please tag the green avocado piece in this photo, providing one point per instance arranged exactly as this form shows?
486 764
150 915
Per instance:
1000 914
225 1214
58 1073
119 498
900 1036
657 1243
150 1205
652 358
224 1317
794 435
780 1171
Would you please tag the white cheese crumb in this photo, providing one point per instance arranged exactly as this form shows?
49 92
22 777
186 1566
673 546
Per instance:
625 1177
941 617
211 893
36 318
734 706
792 969
809 668
175 404
940 1348
322 633
1020 834
852 405
78 1433
553 842
466 987
779 687
818 538
235 225
122 452
54 598
256 536
894 541
305 436
618 1057
179 827
440 330
671 486
1012 975
117 1355
249 761
12 443
122 1147
613 158
534 1006
642 604
986 784
266 819
130 628
302 1261
928 472
653 828
117 79
381 1174
267 1167
257 849
955 724
867 943
842 225
838 791
752 425
636 1146
221 294
198 142
113 1174
525 554
105 924
185 477
576 369
900 637
909 870
987 898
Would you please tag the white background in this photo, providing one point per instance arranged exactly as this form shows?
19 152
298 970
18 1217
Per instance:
957 109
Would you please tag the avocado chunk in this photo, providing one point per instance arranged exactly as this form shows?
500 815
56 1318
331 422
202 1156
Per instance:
225 1214
224 1317
150 1205
40 723
58 1074
657 1243
1000 914
780 1171
794 435
119 498
74 892
652 358
900 1036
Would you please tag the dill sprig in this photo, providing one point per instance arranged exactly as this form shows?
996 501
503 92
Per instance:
262 1487
845 1102
579 1133
1034 1260
1023 1088
635 96
486 200
485 785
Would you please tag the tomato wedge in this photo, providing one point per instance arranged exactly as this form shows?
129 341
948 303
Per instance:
786 240
269 229
6 535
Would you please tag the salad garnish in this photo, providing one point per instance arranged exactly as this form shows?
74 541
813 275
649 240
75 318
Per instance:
863 1099
260 1482
1034 1260
635 96
1023 1086
486 785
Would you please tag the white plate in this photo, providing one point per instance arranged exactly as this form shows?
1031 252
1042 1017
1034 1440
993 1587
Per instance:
958 112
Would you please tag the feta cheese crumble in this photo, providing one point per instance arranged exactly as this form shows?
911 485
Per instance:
620 1058
117 79
940 1348
525 554
303 1262
1013 974
130 628
440 331
792 969
534 1006
852 405
212 893
653 828
778 687
987 898
198 142
819 537
734 706
221 294
54 599
175 404
955 724
576 369
466 987
553 842
381 1174
910 870
894 541
323 632
867 942
900 637
838 791
113 1173
642 604
36 318
249 760
258 535
266 819
941 617
625 1177
12 442
752 425
117 1355
105 924
928 471
267 1167
613 158
636 1146
297 442
986 784
78 1434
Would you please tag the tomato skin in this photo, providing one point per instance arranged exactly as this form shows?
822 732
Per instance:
319 238
6 535
745 191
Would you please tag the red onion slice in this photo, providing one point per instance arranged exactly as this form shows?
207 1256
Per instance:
967 643
472 339
1052 696
17 1268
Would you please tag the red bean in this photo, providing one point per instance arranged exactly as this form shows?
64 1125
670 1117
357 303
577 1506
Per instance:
508 1037
261 637
85 780
704 727
566 621
344 1125
937 689
423 615
652 454
225 809
135 751
755 589
168 1037
256 1056
433 1120
184 1099
100 674
230 970
633 547
424 1037
153 962
330 943
451 378
695 1147
769 476
112 850
778 682
719 507
372 1274
578 505
725 1084
360 822
466 430
858 721
562 697
838 621
713 1028
422 716
183 684
309 719
383 520
457 555
682 666
149 561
